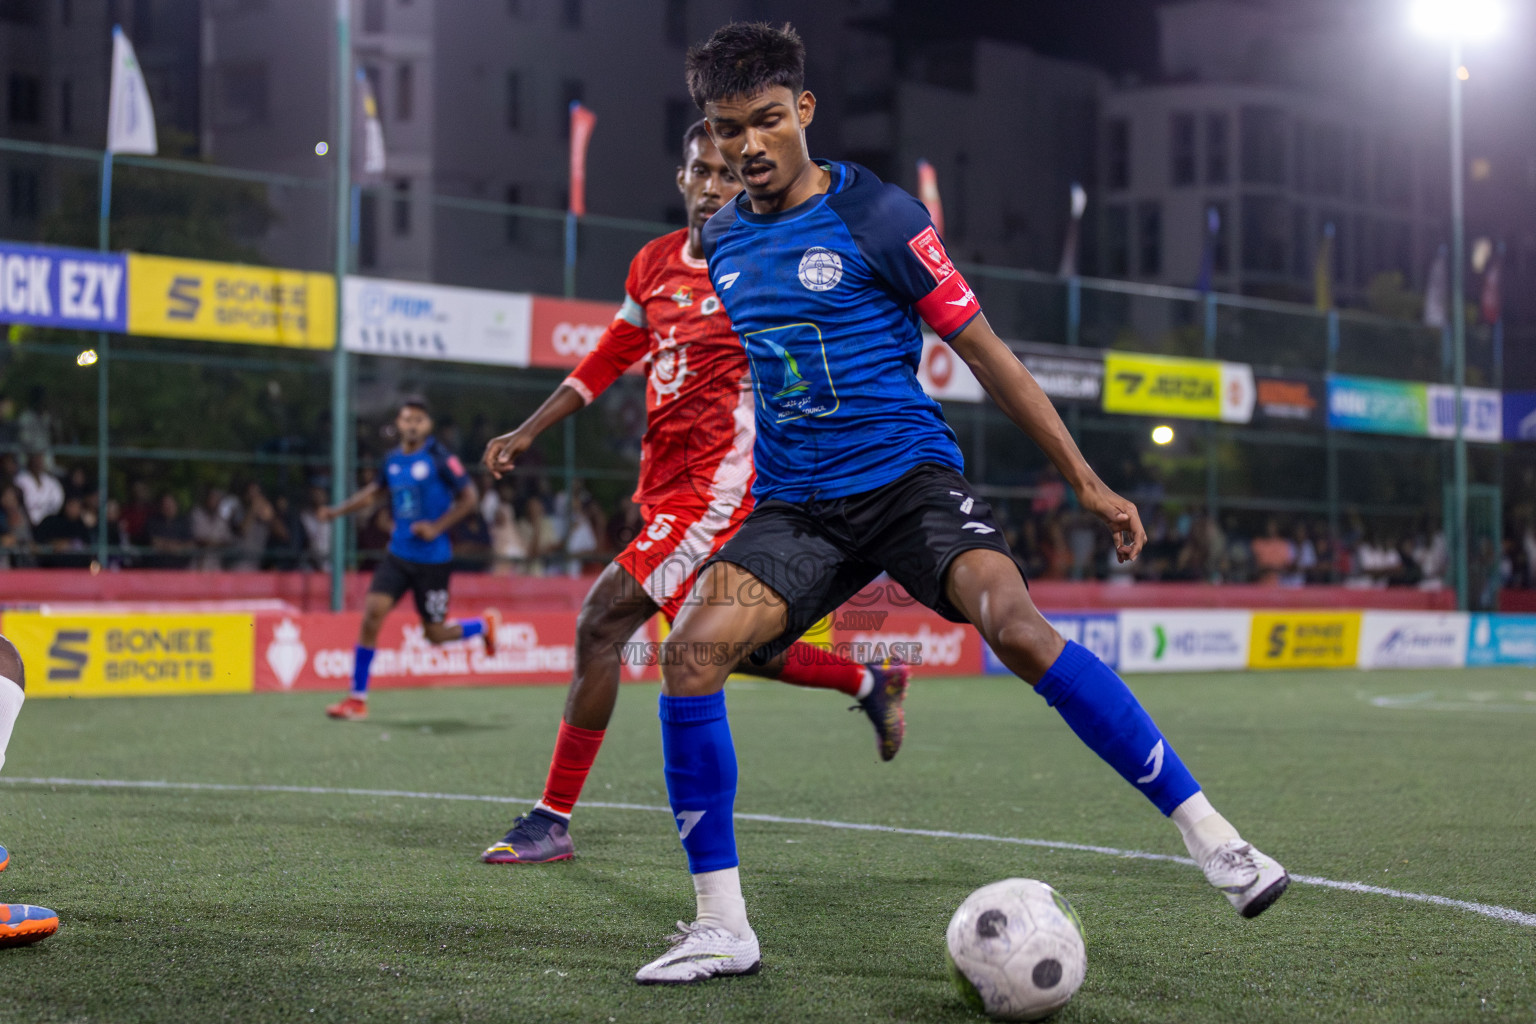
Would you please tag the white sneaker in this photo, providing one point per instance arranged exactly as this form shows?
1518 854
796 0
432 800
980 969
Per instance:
697 953
1251 880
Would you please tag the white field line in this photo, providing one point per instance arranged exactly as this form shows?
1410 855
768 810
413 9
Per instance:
1505 914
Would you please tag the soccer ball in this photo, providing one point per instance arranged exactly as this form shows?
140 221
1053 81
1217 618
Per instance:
1016 950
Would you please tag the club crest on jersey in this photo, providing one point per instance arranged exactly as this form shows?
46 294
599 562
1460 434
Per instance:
925 245
683 297
420 470
669 366
820 269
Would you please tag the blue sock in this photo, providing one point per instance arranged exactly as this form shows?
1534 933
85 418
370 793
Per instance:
362 660
1105 714
701 778
472 627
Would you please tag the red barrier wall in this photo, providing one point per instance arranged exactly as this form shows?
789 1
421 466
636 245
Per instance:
311 592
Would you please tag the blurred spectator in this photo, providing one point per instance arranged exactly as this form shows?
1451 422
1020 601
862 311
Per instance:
138 512
64 539
1050 492
471 544
543 537
1376 563
1409 573
317 534
9 432
285 544
509 545
1273 555
78 484
625 524
170 535
1081 539
258 526
41 491
15 528
211 531
373 532
34 427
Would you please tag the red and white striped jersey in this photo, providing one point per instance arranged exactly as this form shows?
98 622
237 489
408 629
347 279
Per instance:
698 394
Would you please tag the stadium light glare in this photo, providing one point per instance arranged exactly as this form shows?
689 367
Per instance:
1464 19
1162 434
87 358
321 148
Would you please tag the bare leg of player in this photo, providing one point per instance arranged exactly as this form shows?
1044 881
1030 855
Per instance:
1106 716
20 923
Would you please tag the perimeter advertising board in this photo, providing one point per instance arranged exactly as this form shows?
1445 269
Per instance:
1283 639
131 654
1413 640
175 298
1184 641
427 321
44 286
1192 389
1502 640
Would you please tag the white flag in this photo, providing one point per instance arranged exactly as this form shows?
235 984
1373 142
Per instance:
1437 292
373 128
130 119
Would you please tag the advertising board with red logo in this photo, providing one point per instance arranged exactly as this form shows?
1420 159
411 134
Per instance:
564 330
930 644
314 651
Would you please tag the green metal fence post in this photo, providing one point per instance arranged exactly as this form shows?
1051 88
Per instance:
1458 330
103 357
1212 481
341 418
1330 443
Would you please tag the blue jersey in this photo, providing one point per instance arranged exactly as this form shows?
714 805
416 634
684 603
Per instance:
422 486
827 298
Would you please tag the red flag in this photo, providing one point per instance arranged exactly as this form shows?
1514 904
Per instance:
582 122
928 192
1493 300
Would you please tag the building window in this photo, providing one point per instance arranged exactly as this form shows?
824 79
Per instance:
1265 227
405 92
367 231
570 13
23 189
240 94
513 227
402 208
376 86
1303 258
1217 163
514 101
1263 145
680 114
1117 158
25 104
1329 170
66 106
1221 248
676 23
1301 164
1181 149
373 15
572 90
1149 239
1117 241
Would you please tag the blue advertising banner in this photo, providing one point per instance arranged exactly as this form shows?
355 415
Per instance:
45 286
1502 640
1520 415
1097 631
1374 405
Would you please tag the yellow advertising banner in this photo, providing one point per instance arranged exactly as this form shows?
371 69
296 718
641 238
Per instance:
1162 386
133 655
173 298
1304 639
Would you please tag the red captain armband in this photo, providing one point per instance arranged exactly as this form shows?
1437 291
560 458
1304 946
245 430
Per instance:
951 305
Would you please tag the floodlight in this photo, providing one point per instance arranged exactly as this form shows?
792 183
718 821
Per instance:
1162 434
1464 19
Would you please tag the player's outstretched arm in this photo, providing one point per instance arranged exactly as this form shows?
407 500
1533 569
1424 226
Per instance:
1018 394
361 501
502 453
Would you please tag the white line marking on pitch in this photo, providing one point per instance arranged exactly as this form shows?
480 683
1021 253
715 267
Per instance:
1505 914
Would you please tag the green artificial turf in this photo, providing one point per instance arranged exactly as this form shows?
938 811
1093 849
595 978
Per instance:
225 905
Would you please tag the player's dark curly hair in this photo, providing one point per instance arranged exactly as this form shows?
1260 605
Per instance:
698 130
744 58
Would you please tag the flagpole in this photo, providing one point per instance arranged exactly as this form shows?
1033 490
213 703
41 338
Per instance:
103 355
341 418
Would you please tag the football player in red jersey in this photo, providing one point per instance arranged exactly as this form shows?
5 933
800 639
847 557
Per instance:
20 923
695 489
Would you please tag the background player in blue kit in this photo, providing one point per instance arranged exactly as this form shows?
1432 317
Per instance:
825 272
429 492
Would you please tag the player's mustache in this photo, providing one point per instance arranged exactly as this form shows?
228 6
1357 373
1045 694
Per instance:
755 166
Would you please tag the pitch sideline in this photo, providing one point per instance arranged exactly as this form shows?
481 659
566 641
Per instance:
1506 914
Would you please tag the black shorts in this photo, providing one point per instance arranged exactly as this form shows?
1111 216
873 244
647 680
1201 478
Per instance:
817 554
427 582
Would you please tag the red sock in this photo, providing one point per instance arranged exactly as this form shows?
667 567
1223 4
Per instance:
575 750
808 665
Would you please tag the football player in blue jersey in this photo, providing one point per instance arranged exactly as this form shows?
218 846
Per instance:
826 272
429 493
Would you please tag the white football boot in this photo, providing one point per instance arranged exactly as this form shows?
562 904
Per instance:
697 953
1250 880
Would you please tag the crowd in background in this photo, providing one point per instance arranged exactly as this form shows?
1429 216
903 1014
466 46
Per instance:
526 524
